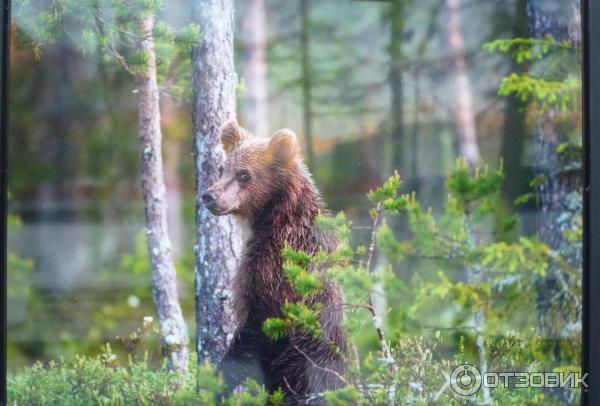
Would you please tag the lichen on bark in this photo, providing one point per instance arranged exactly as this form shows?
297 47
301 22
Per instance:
164 280
218 243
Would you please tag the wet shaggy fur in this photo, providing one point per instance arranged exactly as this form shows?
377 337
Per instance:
279 204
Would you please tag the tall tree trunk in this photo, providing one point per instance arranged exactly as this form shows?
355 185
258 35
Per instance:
560 196
393 159
422 47
514 133
164 280
561 203
464 116
218 245
560 184
307 85
255 72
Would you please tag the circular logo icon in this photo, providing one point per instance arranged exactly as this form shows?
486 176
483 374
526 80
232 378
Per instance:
465 380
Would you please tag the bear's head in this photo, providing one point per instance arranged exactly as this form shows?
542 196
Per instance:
254 170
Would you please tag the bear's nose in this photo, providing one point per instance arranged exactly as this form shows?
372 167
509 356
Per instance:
208 199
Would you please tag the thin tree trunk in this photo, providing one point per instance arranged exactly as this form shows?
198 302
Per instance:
218 245
475 276
306 81
464 116
255 72
164 280
422 47
393 154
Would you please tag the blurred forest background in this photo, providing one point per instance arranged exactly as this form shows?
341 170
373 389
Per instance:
369 86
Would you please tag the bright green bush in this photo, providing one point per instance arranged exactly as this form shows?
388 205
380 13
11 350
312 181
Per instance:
105 380
471 300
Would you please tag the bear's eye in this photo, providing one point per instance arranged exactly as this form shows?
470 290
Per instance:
243 175
220 171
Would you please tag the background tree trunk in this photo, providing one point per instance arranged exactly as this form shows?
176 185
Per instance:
307 109
164 280
560 195
255 71
514 133
394 158
218 245
173 147
464 115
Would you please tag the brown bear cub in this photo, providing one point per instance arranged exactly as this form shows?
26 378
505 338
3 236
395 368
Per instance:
266 186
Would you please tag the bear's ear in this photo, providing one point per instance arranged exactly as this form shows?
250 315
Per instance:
232 135
283 146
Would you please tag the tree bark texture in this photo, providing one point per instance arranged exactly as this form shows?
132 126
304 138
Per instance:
164 281
560 193
255 71
218 243
464 115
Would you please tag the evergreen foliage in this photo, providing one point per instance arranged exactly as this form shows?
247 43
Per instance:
492 297
111 27
499 285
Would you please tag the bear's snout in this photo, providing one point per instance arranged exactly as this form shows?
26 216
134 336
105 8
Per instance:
210 201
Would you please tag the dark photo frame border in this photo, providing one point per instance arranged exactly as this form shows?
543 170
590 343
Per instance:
4 84
591 212
591 254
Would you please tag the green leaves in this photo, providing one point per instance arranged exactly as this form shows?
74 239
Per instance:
388 191
296 317
337 225
188 37
89 42
138 62
305 283
275 328
113 29
356 282
104 380
388 244
343 397
525 256
529 49
300 258
562 94
552 81
468 189
303 317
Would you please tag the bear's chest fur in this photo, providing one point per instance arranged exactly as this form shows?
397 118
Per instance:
260 286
